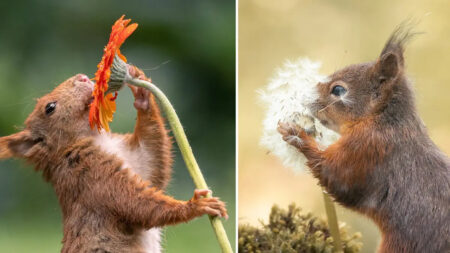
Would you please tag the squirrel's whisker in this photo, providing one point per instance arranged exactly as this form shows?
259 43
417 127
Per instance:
330 104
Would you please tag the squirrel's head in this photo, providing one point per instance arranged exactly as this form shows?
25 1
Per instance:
57 119
363 90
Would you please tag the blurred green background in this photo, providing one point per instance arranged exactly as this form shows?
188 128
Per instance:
337 33
186 47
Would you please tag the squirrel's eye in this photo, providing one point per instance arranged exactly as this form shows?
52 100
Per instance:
338 90
50 108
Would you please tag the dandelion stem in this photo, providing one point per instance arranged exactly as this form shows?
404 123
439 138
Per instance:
332 222
187 153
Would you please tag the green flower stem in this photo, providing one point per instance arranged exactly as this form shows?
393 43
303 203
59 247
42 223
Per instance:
332 222
186 151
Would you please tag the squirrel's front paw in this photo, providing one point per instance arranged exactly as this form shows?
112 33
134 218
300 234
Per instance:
211 206
292 133
141 98
141 95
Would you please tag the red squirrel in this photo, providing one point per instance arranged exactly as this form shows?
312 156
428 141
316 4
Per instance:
384 165
110 186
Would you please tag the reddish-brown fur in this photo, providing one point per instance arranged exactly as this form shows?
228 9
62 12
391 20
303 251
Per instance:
384 165
106 208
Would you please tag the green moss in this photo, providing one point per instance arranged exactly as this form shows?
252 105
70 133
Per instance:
291 231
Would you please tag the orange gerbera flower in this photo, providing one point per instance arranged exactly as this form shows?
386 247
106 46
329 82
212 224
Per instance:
103 107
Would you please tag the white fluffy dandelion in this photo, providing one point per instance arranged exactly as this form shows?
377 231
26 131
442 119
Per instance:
286 98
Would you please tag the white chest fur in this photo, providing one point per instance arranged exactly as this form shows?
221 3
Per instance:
137 160
151 239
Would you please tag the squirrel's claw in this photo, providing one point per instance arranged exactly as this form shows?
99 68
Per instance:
211 206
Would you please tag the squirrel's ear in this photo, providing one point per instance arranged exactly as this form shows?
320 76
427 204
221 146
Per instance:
16 145
387 67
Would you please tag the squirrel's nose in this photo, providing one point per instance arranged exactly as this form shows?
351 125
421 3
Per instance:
82 78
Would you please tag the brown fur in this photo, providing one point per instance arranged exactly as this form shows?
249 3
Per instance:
105 207
384 165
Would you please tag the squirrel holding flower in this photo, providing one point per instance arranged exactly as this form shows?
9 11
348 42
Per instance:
384 165
110 186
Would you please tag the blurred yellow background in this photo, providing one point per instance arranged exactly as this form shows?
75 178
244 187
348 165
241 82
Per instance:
337 33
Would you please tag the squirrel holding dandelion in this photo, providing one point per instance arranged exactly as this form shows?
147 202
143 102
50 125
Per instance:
110 186
384 165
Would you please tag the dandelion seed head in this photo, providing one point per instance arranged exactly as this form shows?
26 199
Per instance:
286 99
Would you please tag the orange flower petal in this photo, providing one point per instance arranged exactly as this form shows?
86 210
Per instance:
103 107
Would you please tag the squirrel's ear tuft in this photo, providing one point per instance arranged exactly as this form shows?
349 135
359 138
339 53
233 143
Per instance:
387 67
16 145
398 40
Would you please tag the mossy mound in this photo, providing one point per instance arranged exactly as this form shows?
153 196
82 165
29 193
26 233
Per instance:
291 231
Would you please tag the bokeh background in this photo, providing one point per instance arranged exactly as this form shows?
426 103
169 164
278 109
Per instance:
337 33
186 47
